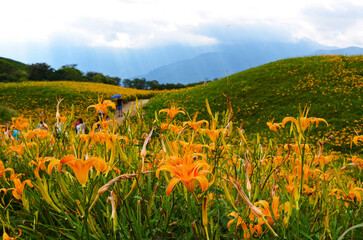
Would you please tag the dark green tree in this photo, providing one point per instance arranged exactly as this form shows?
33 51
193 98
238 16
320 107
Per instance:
70 73
153 85
40 72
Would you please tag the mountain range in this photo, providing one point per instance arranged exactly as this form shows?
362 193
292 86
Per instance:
230 59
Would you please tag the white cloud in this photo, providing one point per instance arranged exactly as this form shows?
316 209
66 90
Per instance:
144 23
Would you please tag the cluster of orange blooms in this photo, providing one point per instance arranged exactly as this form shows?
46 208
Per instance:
188 156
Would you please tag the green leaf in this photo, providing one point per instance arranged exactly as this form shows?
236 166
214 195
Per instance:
355 226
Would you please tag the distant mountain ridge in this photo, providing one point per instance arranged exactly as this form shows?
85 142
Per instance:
349 51
236 58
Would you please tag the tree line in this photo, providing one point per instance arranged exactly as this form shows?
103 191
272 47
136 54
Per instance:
12 71
142 83
44 72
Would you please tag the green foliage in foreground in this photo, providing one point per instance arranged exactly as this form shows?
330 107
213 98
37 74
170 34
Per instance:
50 190
332 85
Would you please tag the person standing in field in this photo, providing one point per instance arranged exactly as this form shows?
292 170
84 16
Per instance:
119 105
42 125
80 126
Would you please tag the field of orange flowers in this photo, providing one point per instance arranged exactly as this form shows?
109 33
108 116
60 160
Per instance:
33 99
166 179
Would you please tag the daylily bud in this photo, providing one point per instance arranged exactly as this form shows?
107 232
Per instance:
205 211
195 230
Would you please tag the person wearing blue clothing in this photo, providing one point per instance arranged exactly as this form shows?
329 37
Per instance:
119 105
16 134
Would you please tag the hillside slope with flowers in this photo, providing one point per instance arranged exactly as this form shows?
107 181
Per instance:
37 99
332 85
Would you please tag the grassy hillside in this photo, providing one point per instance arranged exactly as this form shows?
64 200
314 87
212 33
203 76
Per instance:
31 98
13 63
332 85
12 71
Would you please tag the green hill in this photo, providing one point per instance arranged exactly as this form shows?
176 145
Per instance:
12 71
332 85
13 63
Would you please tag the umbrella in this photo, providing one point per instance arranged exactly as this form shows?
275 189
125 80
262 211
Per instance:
116 96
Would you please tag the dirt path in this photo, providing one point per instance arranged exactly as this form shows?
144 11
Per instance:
127 107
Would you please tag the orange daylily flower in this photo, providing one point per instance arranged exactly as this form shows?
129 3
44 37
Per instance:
102 124
196 124
19 123
213 133
79 167
322 160
3 169
273 126
277 160
19 186
103 137
266 210
284 208
176 129
307 172
356 193
83 137
19 149
356 161
246 232
62 119
40 163
102 106
338 193
124 138
187 172
303 122
357 139
239 220
172 111
325 176
99 164
164 126
38 133
308 190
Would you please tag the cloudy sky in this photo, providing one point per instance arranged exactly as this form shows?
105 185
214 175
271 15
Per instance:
143 24
148 23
